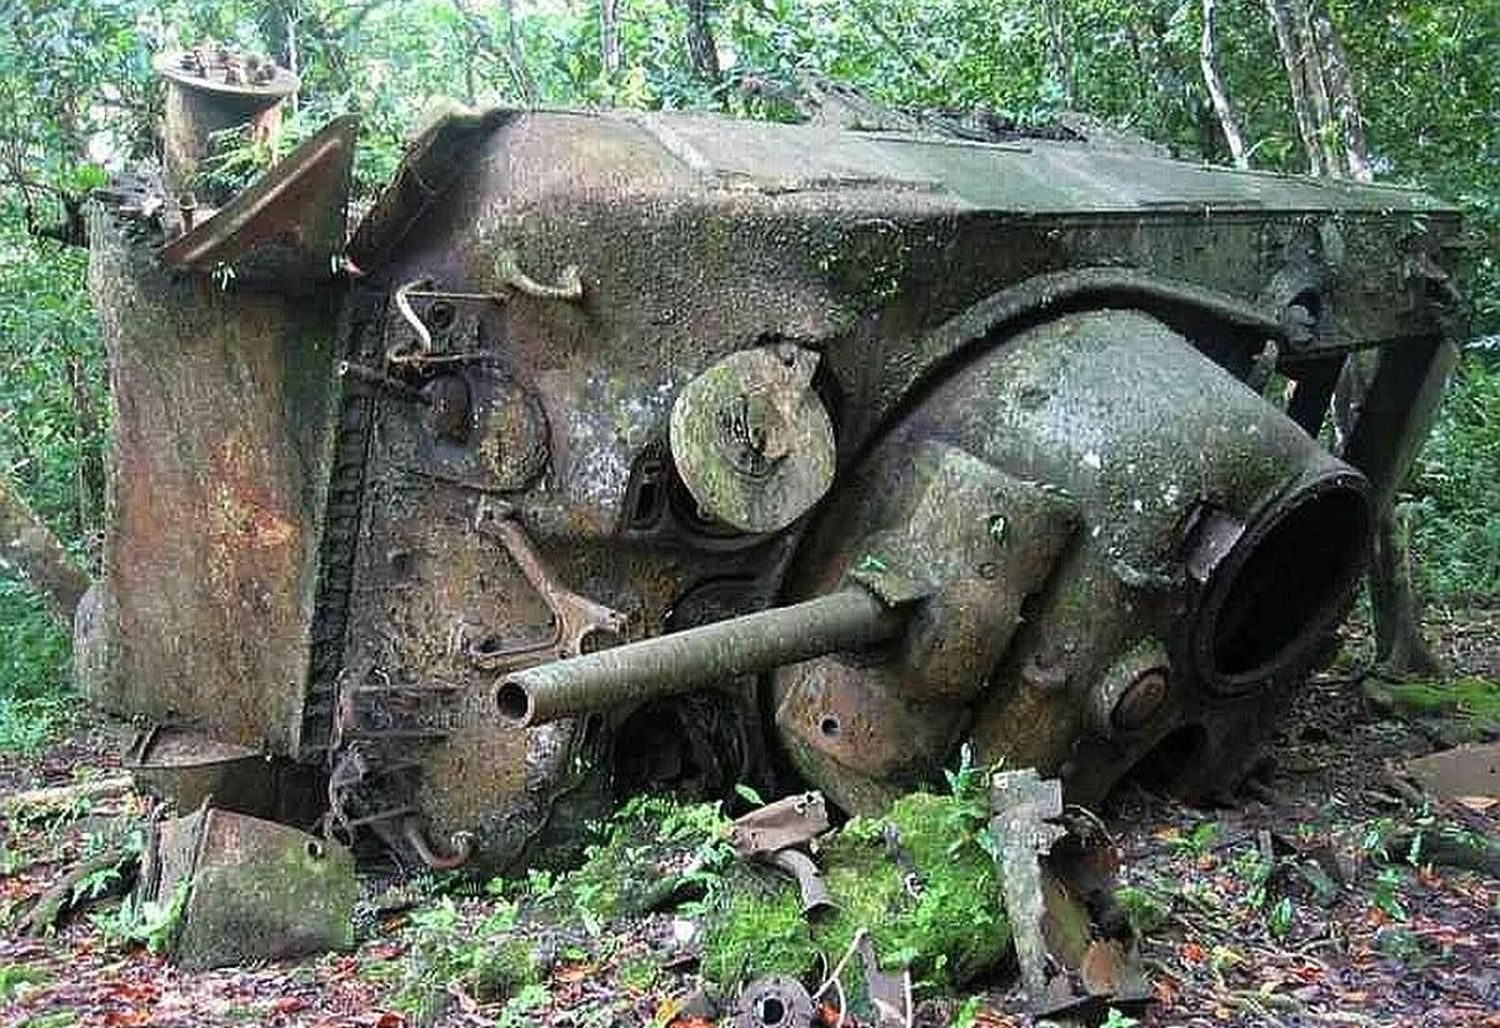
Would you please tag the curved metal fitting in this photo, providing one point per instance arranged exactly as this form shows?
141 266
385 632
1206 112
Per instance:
569 284
815 897
407 354
414 831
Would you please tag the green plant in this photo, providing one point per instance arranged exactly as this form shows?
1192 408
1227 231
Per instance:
1280 917
146 922
17 978
483 954
1456 507
1387 893
517 1009
1145 909
1199 842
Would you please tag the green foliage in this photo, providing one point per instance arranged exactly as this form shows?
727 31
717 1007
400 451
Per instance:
1428 76
15 979
651 850
1200 841
50 435
483 955
1461 709
145 922
1387 893
1145 909
33 671
1456 535
51 447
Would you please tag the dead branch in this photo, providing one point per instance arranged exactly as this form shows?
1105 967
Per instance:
66 795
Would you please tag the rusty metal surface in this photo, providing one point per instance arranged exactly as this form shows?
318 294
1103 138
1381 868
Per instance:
752 440
218 473
189 769
212 90
254 890
789 821
288 227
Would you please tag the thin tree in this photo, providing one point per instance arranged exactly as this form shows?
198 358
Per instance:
609 38
703 52
29 549
1208 58
1294 56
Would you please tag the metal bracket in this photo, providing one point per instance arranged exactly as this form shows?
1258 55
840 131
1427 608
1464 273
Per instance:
577 621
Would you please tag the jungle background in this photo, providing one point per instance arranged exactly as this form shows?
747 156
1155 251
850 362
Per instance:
1405 92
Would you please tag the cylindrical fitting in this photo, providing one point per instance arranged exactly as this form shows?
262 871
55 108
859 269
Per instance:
212 90
849 619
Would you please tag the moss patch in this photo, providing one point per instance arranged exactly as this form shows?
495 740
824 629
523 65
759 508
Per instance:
952 932
1461 709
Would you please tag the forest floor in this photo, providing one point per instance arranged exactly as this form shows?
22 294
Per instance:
1287 908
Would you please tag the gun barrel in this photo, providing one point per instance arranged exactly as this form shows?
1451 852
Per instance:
665 665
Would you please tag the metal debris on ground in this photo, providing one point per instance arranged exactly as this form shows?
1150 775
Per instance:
774 1002
248 890
774 833
1063 966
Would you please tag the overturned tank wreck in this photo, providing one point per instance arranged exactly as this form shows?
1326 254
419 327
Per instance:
619 451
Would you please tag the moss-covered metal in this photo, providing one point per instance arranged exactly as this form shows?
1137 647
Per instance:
1069 322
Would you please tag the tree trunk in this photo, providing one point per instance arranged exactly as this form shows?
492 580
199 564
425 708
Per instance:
1058 49
29 549
1317 88
1399 643
1284 23
703 53
609 37
1208 57
1341 93
515 56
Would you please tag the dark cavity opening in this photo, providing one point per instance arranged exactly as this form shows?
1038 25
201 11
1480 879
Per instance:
512 701
772 1011
1290 587
1160 769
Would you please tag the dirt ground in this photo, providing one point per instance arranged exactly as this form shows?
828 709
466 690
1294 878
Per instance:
1285 908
